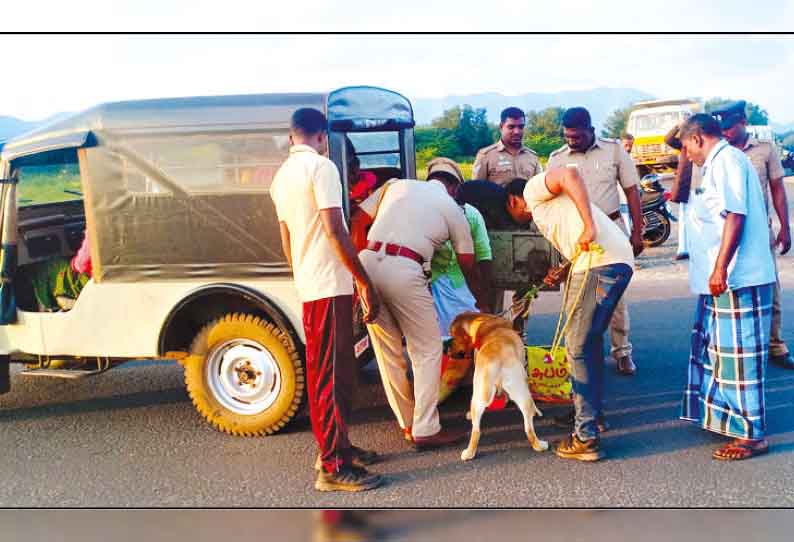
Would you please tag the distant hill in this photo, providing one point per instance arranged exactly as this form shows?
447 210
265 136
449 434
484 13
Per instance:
599 101
12 126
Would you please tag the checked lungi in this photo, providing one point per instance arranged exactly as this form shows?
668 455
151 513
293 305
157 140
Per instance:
727 363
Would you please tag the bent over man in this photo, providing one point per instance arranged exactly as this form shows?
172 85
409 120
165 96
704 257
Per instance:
410 219
561 209
604 165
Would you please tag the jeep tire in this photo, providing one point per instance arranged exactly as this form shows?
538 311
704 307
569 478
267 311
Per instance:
244 375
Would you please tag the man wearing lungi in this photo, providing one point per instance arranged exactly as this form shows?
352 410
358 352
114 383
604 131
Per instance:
732 272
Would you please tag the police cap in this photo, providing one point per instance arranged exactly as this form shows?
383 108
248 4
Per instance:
729 113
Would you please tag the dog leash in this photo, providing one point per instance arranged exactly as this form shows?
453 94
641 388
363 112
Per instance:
561 329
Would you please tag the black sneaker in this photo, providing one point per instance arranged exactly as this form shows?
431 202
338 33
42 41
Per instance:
573 448
347 479
360 457
567 421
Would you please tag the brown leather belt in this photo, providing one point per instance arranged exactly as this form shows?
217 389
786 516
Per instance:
396 250
614 216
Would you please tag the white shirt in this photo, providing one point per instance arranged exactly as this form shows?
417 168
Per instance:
730 184
305 184
558 220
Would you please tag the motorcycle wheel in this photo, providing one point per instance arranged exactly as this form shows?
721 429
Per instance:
658 235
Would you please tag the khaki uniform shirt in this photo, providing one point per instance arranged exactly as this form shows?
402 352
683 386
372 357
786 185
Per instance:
496 164
603 166
419 215
763 156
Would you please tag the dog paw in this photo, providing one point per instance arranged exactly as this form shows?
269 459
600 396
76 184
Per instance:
540 445
467 454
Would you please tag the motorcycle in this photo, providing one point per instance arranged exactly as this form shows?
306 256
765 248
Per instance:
656 215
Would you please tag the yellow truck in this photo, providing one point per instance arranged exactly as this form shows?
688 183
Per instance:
648 123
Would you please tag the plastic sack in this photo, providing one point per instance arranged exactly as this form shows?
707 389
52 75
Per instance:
549 379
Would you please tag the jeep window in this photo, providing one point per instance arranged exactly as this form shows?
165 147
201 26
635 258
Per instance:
208 162
48 183
377 149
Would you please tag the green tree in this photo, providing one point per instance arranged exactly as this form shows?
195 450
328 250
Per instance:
544 130
448 120
547 122
473 132
615 124
458 134
436 142
756 115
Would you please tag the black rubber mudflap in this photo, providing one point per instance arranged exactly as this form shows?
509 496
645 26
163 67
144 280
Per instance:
5 374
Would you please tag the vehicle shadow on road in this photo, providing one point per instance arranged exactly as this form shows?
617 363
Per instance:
97 404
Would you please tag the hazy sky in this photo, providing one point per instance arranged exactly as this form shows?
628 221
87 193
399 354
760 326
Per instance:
46 74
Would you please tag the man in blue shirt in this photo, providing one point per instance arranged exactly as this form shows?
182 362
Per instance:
732 272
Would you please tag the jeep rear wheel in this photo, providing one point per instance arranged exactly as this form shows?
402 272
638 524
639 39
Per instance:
244 375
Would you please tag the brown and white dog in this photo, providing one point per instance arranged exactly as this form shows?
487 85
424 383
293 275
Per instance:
498 365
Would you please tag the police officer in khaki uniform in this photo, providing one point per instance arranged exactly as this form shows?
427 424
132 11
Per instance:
508 158
763 155
410 219
604 164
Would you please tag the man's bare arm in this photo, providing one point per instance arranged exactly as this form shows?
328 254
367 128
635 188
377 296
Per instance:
470 273
285 242
569 181
780 202
635 210
731 234
334 227
682 183
485 271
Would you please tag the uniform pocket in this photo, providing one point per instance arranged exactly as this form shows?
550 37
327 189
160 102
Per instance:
606 174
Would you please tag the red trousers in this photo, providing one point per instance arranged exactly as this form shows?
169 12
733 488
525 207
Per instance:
330 366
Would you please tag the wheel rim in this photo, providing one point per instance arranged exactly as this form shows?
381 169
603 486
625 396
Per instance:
656 230
243 376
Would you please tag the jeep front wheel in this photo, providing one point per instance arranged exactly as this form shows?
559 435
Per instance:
244 375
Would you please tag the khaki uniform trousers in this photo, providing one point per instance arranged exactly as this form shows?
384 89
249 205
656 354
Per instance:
619 325
777 346
406 310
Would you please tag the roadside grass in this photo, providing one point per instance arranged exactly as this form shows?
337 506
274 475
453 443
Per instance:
421 170
48 184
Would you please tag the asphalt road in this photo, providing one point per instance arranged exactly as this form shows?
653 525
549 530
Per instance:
132 438
393 526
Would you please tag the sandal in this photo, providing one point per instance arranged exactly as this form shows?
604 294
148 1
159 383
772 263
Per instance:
737 451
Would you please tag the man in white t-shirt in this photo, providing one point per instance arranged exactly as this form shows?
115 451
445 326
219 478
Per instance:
562 211
307 193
